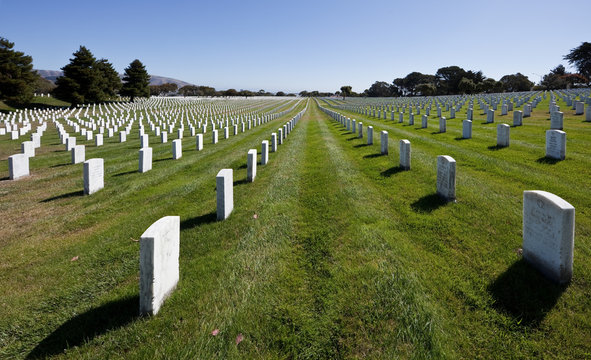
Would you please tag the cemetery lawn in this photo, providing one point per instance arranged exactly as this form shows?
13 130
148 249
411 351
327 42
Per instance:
332 252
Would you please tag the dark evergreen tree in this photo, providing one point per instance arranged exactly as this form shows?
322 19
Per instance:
109 78
81 82
136 80
17 77
581 58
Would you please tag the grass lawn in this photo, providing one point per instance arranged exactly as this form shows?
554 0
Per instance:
333 251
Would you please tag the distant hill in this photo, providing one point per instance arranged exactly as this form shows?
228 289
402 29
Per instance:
51 75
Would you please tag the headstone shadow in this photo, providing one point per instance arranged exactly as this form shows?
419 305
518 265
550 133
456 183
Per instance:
524 294
496 147
391 171
428 203
65 196
460 138
548 160
126 173
243 166
86 326
360 145
240 182
165 159
371 156
199 220
353 138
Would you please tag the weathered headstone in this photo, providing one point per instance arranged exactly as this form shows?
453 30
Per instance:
446 177
442 125
94 175
369 135
225 193
424 121
159 263
556 144
467 129
549 234
18 166
517 118
556 120
490 116
251 165
145 159
405 154
503 135
360 131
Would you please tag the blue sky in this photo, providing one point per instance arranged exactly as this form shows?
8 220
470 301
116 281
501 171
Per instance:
301 45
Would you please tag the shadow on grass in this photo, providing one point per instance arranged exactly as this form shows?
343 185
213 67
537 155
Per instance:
484 123
496 147
392 171
59 165
525 294
371 156
459 138
5 178
360 145
165 159
86 326
243 166
199 220
437 132
428 203
548 160
353 138
126 173
65 196
240 182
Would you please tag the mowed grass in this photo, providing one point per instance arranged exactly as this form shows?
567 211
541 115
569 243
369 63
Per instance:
348 256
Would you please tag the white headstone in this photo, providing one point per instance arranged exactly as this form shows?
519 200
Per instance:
446 177
18 166
214 137
549 234
467 129
556 144
405 154
78 154
424 121
98 140
251 165
159 263
224 193
28 148
265 152
517 118
36 139
145 159
70 143
273 142
122 136
384 142
556 120
94 175
503 135
164 137
442 125
360 131
490 116
199 142
369 135
177 149
144 141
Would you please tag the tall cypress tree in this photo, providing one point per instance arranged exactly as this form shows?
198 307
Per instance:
136 80
80 82
17 77
110 80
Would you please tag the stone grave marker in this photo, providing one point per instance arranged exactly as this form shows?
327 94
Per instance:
94 175
145 163
177 149
28 148
503 135
549 234
370 135
251 165
442 124
78 154
98 140
405 154
517 118
159 263
18 166
199 142
224 193
384 142
446 177
556 144
264 152
467 129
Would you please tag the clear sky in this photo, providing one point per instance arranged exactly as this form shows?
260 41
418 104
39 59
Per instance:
301 45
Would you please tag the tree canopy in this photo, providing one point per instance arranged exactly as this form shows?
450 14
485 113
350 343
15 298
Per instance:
17 77
580 57
136 81
87 80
